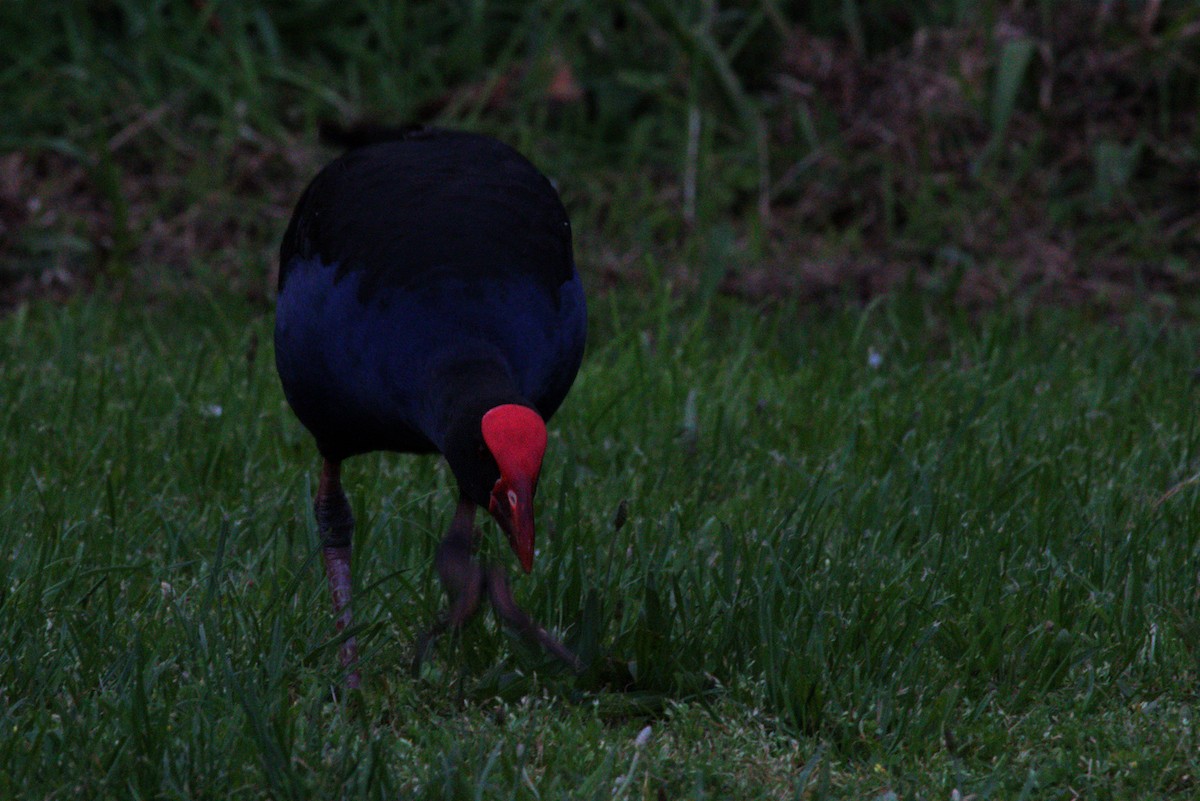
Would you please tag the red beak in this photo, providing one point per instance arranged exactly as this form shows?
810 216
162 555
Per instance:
512 506
516 436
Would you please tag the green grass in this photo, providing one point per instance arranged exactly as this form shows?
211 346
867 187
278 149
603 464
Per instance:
892 551
953 570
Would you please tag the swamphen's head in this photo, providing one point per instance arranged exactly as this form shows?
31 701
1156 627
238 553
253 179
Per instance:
497 461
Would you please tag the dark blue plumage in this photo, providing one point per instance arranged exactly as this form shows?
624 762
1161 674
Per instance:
427 284
406 257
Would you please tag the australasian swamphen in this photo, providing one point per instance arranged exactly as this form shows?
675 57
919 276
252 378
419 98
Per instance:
428 302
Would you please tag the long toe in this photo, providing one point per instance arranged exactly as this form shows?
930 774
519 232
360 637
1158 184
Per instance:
500 594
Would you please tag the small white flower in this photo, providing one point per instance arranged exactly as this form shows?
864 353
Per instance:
874 359
642 738
211 410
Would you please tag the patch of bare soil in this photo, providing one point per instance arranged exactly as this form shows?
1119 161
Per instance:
68 218
888 170
1089 194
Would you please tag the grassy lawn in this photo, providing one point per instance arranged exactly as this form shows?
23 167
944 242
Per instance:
881 479
865 553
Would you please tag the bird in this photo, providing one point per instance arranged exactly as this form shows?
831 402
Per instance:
428 302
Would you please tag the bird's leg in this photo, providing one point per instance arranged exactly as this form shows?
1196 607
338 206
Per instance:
466 580
335 522
462 578
461 575
516 619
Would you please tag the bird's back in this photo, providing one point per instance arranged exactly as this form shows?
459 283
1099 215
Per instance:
403 256
432 202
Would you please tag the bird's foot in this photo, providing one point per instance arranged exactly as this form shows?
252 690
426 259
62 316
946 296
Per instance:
500 594
466 580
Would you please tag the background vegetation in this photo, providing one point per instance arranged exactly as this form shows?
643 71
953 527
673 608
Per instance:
890 377
985 151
